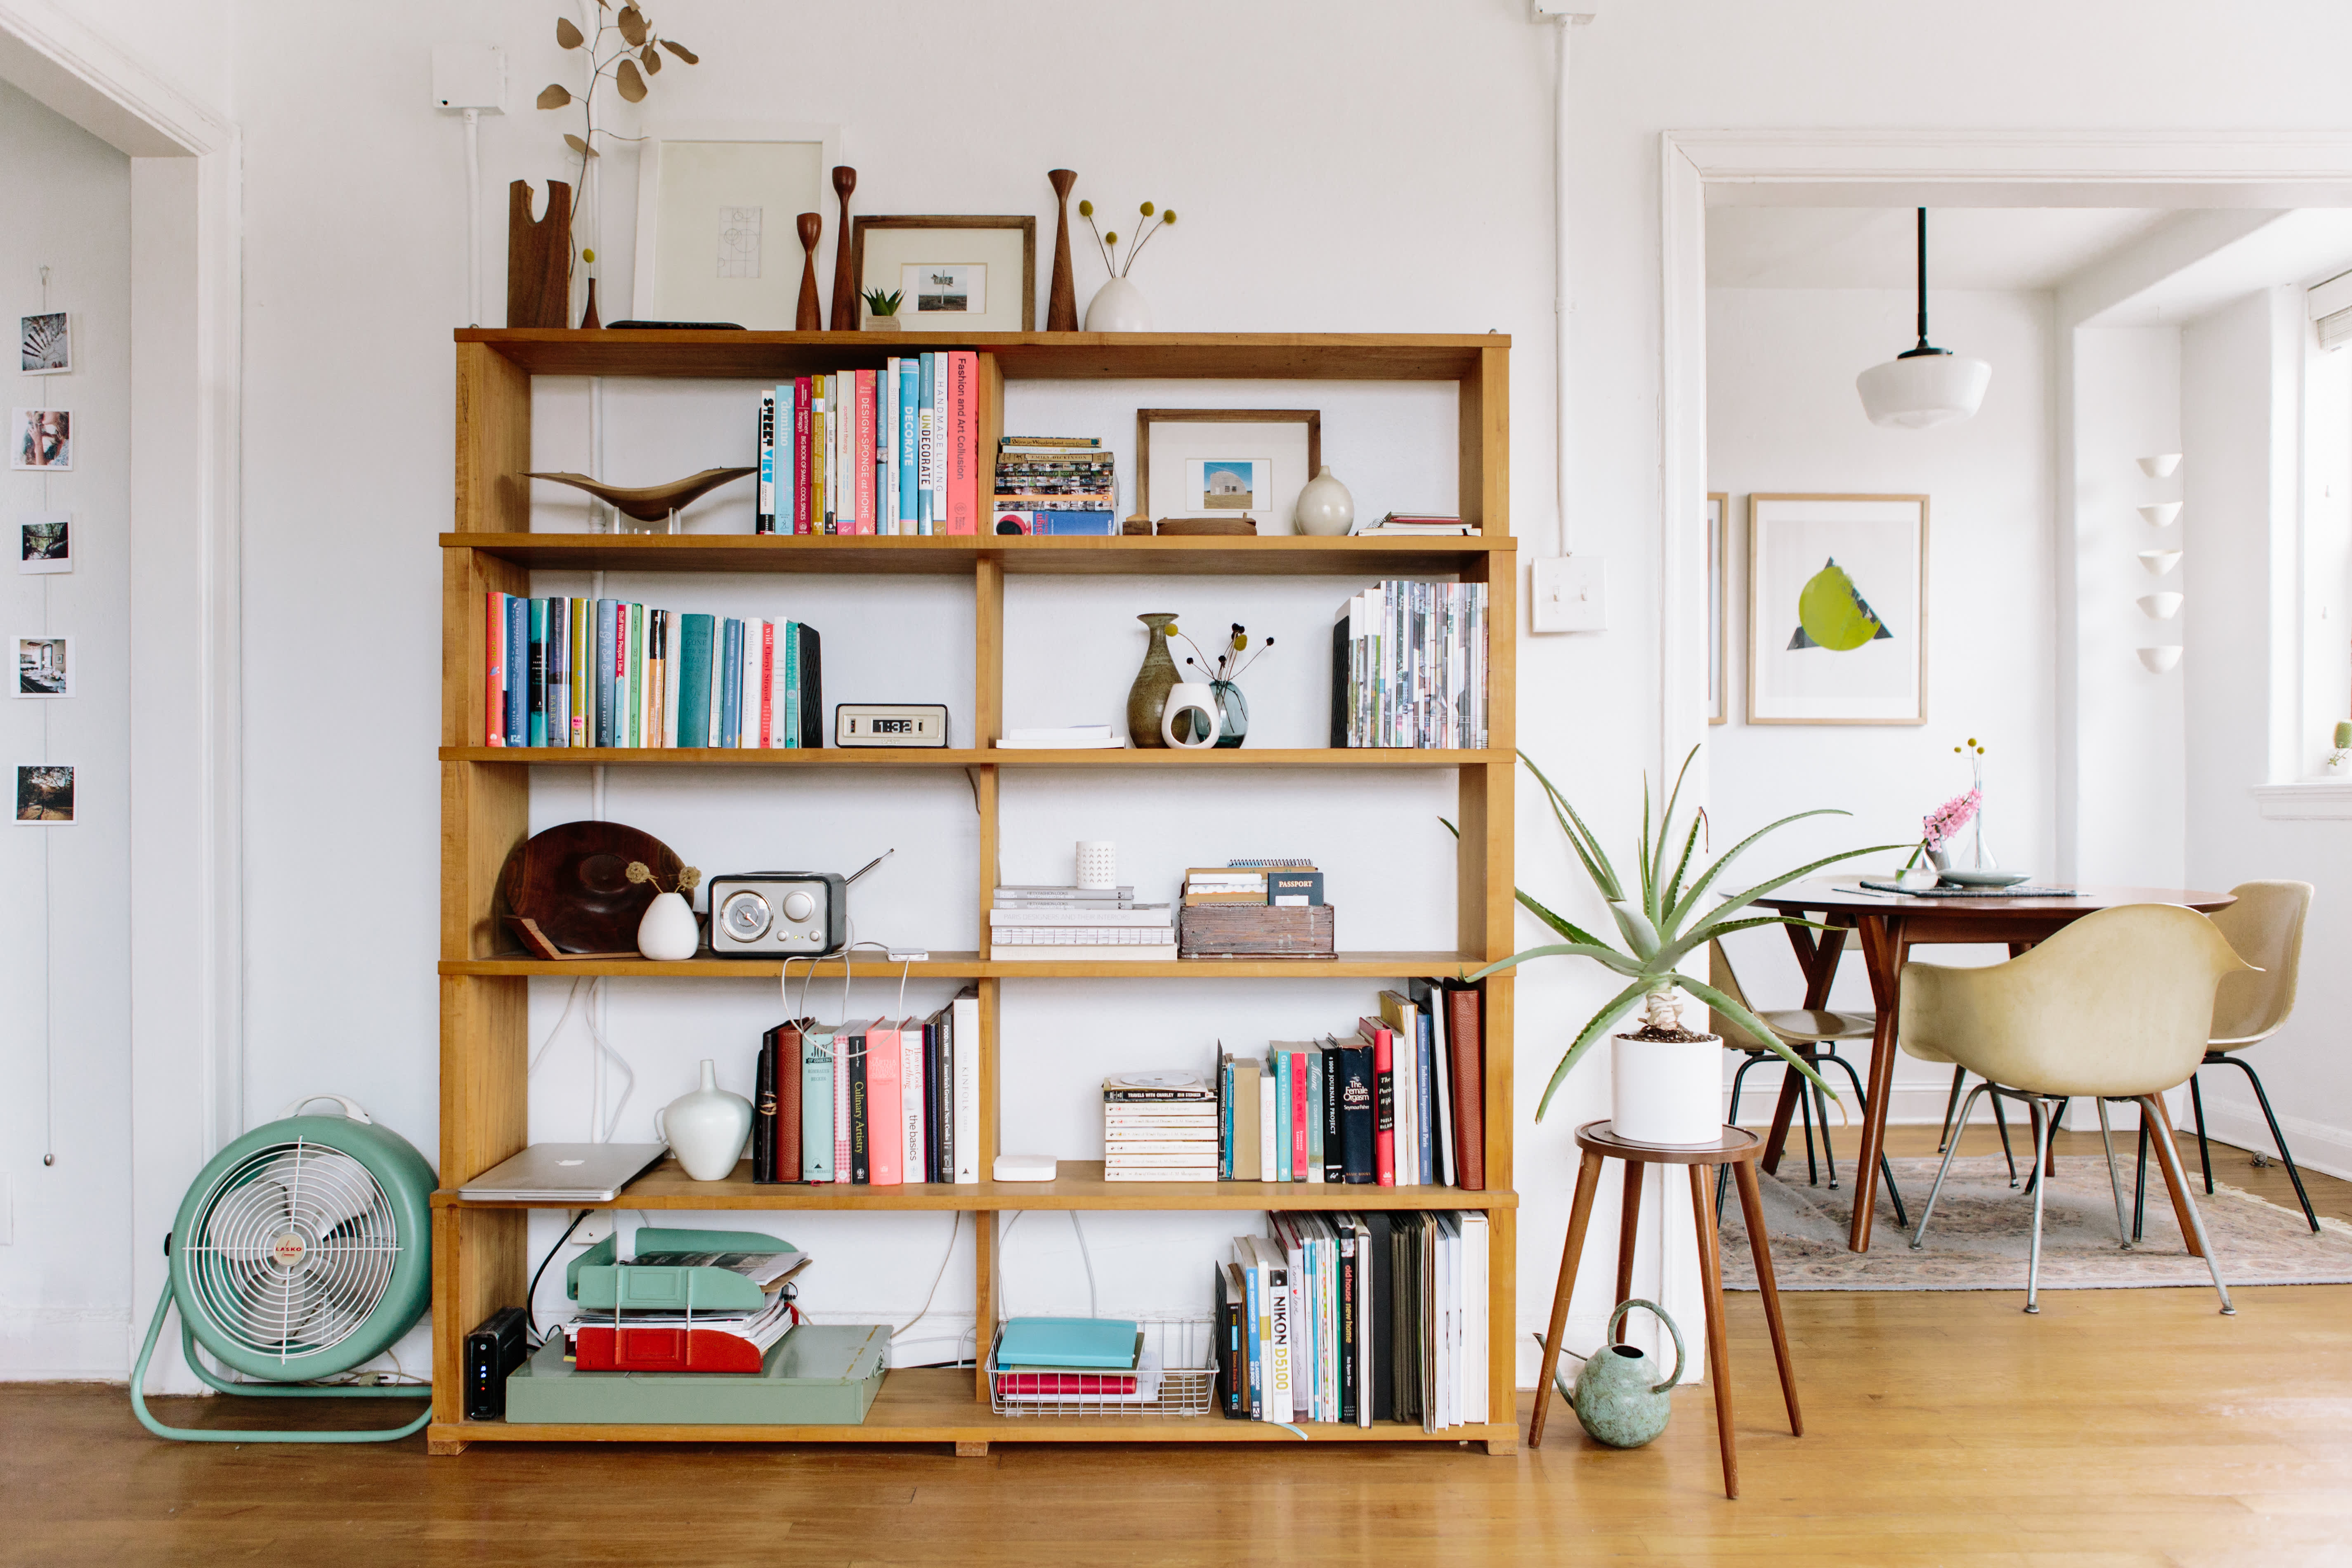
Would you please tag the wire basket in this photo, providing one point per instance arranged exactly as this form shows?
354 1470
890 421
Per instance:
1175 1374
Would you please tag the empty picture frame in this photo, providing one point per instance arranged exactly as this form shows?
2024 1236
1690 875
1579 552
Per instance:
952 273
1227 462
1718 603
1837 609
718 214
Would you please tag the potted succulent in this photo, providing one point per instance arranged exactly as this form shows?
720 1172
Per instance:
882 310
1668 1080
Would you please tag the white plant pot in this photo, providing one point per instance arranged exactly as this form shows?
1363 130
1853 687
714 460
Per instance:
667 933
1119 306
1325 507
705 1129
1668 1092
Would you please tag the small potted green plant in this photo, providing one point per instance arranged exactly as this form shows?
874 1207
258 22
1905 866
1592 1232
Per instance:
2340 761
882 310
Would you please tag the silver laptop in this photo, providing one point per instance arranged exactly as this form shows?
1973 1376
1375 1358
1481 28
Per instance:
566 1173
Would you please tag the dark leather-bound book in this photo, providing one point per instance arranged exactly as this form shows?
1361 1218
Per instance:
1381 1228
1465 1044
763 1109
850 1053
1358 1110
788 1102
1233 1350
1326 1063
1339 654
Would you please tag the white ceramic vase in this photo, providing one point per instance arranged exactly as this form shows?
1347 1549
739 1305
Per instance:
1668 1092
1119 306
1196 695
1325 507
668 932
705 1129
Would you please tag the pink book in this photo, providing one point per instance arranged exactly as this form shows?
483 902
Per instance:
884 1136
841 1068
1301 1064
963 441
865 500
767 663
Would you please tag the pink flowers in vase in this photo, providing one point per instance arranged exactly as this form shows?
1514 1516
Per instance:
1938 826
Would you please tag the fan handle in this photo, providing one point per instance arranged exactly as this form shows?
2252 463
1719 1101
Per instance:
350 1108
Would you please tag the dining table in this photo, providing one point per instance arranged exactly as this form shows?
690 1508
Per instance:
1887 926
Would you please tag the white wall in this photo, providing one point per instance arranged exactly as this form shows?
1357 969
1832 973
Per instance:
65 1280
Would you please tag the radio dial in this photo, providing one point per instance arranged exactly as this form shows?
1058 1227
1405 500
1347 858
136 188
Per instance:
799 906
745 915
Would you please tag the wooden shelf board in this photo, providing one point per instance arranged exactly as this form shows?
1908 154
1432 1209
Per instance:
1384 757
972 966
1273 356
1079 1187
1278 555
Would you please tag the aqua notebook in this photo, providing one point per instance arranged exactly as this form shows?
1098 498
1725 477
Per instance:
1066 1341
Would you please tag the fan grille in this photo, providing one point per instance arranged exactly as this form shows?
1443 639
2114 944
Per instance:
292 1249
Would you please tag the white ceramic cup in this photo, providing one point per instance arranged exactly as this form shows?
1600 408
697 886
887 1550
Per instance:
1195 696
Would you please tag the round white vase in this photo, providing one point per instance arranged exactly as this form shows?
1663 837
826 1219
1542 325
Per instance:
667 933
705 1129
1325 507
1666 1091
1119 306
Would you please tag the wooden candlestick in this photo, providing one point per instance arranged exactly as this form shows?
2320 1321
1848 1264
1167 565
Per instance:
808 319
1062 299
844 287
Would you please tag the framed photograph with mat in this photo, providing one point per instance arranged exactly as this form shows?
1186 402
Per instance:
717 207
1718 603
1226 463
1837 609
950 273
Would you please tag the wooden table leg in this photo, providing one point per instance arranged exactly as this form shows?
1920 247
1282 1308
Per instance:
1718 1344
1587 1178
1783 1109
1882 950
1751 1209
2180 1198
1629 1219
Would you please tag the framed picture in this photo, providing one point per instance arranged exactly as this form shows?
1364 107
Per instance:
44 666
951 274
1718 603
45 795
41 439
1227 462
44 543
718 214
45 343
1837 609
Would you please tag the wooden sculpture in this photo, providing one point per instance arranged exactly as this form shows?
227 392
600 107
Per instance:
653 502
844 287
1062 298
807 319
538 257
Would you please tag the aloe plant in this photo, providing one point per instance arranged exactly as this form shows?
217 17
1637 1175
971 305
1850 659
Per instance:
1662 922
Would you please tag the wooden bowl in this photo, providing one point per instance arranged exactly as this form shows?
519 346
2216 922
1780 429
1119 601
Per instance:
573 881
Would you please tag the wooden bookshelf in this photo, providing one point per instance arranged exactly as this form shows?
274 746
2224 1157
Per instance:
480 1260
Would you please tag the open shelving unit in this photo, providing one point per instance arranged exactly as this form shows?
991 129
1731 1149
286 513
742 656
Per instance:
479 1253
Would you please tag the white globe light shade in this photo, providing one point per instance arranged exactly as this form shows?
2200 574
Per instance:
1924 390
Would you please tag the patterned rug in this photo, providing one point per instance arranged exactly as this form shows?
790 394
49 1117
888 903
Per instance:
1978 1238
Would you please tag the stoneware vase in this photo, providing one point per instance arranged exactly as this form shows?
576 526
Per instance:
1147 699
1668 1092
1119 306
705 1129
667 933
1325 507
884 324
1190 722
1619 1397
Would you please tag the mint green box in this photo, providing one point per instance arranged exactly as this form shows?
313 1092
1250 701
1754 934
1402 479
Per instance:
818 1374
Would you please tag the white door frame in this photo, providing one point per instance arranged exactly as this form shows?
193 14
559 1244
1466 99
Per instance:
184 929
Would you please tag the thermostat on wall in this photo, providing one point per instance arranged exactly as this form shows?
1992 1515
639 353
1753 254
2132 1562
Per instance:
890 724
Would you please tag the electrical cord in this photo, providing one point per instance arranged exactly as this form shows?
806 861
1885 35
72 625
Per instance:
530 1297
955 1223
598 1044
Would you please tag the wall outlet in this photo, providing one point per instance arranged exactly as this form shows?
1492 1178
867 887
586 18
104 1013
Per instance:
469 76
1570 594
594 1228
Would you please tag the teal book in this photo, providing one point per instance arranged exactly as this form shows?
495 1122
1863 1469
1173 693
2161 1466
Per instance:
790 719
694 680
539 648
816 1105
1068 1341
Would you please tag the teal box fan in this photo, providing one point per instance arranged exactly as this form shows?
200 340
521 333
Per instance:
303 1249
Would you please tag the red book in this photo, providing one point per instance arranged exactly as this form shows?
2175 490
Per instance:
494 653
1463 1043
767 681
653 1348
1384 1100
788 1102
963 441
801 454
887 1135
865 502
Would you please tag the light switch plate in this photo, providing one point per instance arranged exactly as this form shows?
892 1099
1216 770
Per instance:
1570 594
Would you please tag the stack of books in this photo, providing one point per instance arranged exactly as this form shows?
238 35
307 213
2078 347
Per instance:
1159 1127
888 451
872 1103
1356 1318
1416 524
1409 666
599 672
1062 738
1058 923
1281 882
1055 484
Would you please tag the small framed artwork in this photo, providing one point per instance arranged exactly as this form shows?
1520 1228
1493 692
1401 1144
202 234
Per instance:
1837 609
951 274
44 543
41 440
1718 603
45 343
45 795
717 221
1227 462
44 666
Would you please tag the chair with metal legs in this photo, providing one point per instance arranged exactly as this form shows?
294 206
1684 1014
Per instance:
2115 1007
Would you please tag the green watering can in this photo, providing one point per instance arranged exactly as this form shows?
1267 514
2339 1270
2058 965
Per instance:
1617 1397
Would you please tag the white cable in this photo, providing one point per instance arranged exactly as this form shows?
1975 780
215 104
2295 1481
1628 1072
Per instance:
1565 27
473 217
600 1127
1093 1309
955 1223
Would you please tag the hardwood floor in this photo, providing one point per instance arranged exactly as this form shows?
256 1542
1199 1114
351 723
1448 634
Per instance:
2130 1427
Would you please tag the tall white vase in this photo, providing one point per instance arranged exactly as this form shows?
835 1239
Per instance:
1325 507
1119 306
705 1129
1666 1091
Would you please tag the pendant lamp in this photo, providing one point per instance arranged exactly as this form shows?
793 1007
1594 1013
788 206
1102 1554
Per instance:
1922 386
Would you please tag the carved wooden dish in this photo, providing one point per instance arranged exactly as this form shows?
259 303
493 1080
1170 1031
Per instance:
652 503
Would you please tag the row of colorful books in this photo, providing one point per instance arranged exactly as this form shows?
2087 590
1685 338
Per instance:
875 1103
888 451
1399 1102
1356 1318
1409 666
566 672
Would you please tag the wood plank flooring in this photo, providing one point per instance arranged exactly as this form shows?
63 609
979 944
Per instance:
2131 1426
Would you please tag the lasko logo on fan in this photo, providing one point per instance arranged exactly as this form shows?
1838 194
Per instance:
288 1250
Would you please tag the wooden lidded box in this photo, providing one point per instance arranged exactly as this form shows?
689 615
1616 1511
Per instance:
1257 931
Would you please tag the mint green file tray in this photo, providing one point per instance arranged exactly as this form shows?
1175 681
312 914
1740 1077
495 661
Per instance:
818 1374
601 1284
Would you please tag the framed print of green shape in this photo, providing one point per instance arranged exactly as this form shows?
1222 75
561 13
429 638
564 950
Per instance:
1837 609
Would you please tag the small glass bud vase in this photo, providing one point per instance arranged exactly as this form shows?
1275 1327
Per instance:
1232 714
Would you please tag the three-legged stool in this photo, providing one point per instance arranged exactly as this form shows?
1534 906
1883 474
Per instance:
1736 1149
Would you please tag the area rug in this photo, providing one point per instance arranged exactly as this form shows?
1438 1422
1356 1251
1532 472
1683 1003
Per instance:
1978 1238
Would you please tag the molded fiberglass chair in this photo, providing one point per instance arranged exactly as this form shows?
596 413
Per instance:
2116 1005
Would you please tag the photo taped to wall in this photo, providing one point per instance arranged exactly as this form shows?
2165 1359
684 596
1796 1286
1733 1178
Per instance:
44 543
44 666
41 440
45 795
44 344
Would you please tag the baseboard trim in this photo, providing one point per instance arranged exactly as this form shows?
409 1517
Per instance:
2315 1145
65 1344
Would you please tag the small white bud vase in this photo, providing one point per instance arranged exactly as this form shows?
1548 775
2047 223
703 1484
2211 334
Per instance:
705 1129
1325 507
1119 306
1666 1091
667 933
